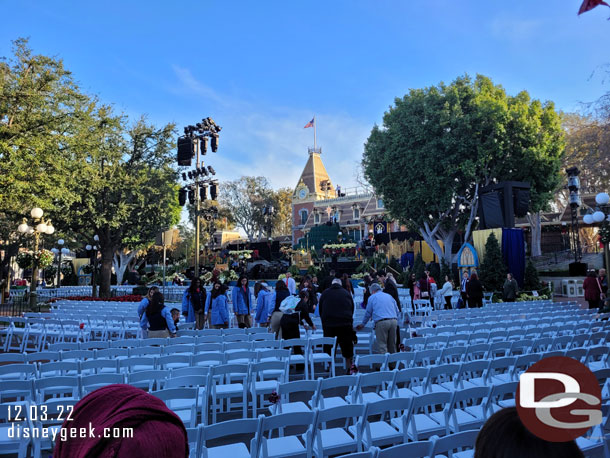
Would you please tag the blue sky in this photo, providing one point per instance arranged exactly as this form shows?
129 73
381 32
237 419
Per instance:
263 69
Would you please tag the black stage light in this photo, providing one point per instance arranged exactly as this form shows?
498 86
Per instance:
211 170
190 174
191 196
182 197
184 176
203 192
213 191
203 145
186 151
214 143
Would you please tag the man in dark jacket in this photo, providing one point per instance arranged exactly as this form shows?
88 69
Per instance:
327 281
336 312
510 289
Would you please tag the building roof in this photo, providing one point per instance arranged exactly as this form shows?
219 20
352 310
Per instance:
314 173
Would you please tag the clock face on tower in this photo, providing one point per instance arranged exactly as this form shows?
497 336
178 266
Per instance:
302 193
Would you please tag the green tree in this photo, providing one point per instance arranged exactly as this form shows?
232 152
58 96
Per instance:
448 140
126 188
282 202
492 271
41 113
531 281
245 199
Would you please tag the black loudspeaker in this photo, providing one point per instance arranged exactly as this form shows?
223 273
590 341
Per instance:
491 209
186 151
578 269
521 202
182 193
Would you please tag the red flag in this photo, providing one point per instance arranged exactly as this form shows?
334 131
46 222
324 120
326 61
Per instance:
588 5
309 124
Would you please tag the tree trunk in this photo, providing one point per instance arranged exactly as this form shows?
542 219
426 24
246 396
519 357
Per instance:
536 228
432 243
105 274
120 262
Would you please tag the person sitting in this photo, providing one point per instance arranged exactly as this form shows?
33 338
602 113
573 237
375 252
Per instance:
157 318
217 306
503 435
157 432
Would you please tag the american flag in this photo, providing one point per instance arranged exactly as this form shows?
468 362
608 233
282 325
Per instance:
309 124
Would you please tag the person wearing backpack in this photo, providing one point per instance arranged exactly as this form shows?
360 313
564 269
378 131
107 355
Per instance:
193 303
293 317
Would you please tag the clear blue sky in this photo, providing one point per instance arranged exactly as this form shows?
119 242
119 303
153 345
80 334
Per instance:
263 69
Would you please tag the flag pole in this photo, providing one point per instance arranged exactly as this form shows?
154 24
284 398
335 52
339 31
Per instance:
314 134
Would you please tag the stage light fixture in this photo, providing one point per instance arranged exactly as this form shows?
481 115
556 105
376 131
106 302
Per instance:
211 170
182 197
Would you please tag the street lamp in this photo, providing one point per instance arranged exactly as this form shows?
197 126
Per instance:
601 216
59 252
39 227
269 214
92 253
575 203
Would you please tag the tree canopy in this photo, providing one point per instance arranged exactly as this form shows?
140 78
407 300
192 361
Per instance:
439 144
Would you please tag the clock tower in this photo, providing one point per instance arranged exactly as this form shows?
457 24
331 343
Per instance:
314 184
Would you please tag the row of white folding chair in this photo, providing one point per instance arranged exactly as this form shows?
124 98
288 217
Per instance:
562 342
126 365
313 437
19 332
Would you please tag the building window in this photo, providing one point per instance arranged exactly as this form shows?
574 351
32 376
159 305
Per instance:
303 214
316 218
379 203
356 214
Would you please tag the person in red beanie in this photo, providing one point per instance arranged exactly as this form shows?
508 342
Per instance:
157 431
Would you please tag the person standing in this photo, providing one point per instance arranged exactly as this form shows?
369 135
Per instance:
193 303
347 284
464 288
263 304
142 307
217 306
327 281
307 286
367 282
510 289
447 292
240 296
382 308
290 322
158 318
432 287
291 284
474 290
411 285
389 287
281 293
593 289
336 309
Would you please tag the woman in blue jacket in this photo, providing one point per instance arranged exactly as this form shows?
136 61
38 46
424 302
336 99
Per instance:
193 301
240 295
217 306
264 304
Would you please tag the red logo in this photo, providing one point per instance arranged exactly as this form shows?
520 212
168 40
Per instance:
558 399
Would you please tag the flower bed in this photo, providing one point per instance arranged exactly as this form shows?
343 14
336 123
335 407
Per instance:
127 298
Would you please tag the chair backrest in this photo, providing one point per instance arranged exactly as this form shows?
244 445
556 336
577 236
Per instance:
446 373
280 421
186 381
421 449
193 370
348 411
93 382
401 359
345 382
453 355
392 405
250 426
408 378
456 442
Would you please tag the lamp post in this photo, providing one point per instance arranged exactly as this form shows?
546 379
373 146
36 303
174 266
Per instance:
269 214
575 203
601 216
92 253
59 252
39 227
